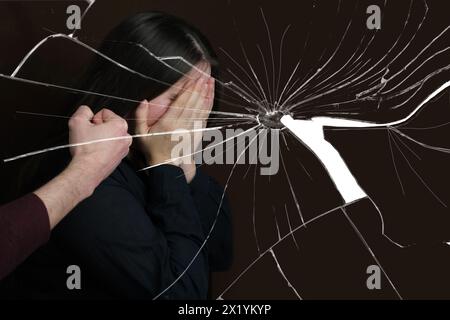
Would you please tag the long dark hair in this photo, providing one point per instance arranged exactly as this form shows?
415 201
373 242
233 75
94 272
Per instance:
136 44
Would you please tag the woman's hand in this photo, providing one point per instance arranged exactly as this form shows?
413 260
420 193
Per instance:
189 111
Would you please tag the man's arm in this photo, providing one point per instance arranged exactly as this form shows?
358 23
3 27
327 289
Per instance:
25 223
91 163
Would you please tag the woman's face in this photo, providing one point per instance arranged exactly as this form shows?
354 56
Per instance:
160 104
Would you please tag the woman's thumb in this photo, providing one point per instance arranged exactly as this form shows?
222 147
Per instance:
141 115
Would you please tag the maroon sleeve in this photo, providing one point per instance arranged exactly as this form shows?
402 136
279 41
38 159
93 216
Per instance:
24 227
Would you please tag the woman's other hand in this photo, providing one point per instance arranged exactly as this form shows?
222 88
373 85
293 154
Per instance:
188 112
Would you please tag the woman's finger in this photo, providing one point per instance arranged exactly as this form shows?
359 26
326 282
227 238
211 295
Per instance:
176 108
202 108
191 106
141 114
210 103
156 109
211 91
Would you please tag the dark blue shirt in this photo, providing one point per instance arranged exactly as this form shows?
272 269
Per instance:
134 237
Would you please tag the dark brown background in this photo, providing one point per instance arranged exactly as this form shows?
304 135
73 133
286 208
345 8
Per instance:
413 217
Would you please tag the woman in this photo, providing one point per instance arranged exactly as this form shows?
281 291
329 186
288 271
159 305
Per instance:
140 234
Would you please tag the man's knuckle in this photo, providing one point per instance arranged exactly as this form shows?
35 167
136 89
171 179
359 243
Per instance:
121 126
74 122
124 124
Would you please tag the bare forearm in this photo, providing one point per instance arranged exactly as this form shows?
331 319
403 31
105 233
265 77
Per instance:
65 191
